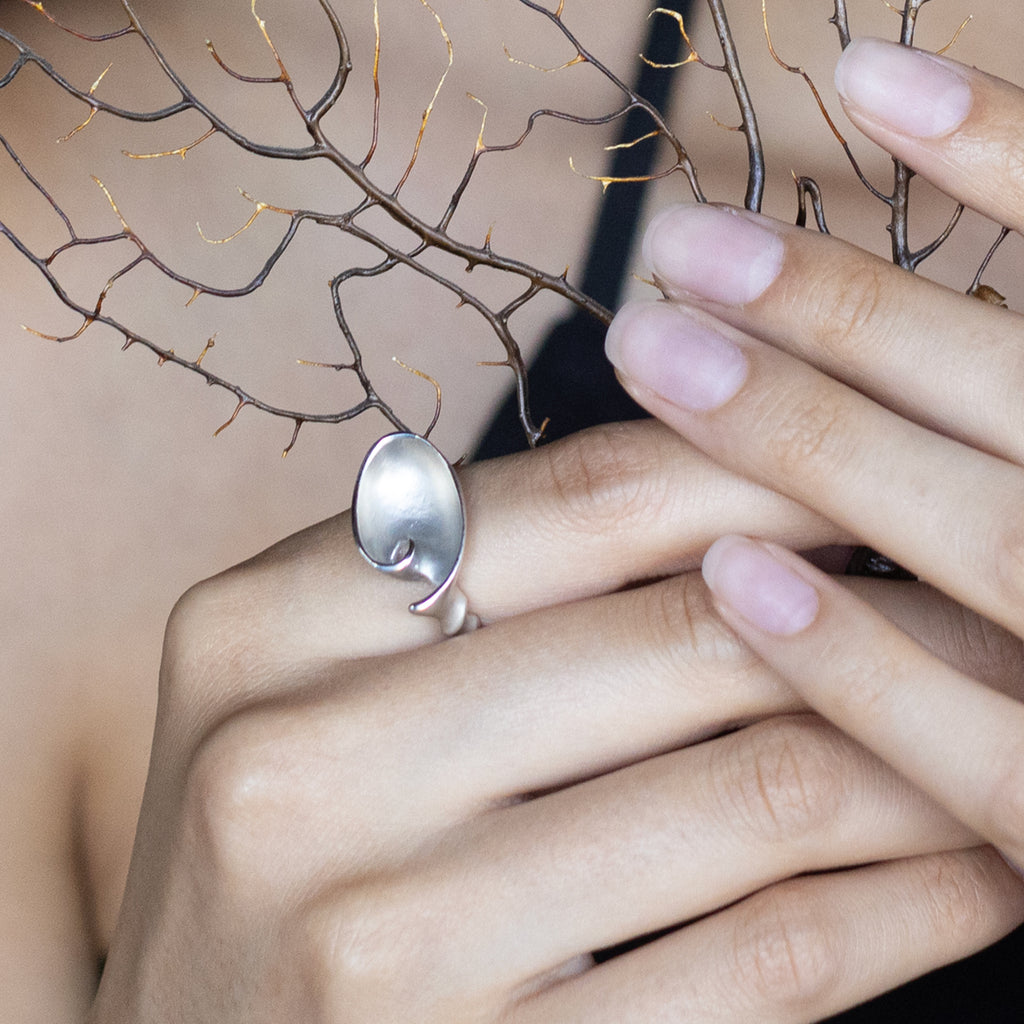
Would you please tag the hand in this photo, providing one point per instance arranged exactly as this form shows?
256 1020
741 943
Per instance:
347 820
887 403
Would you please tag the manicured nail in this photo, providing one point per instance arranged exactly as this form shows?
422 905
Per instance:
909 91
685 362
748 577
715 252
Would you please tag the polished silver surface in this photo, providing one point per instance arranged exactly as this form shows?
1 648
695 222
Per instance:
409 520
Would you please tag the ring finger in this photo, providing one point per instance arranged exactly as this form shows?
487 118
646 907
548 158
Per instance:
645 848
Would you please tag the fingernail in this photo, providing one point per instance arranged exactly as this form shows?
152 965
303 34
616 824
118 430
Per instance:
747 577
716 252
687 363
909 91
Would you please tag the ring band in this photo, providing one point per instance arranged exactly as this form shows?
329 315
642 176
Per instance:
409 520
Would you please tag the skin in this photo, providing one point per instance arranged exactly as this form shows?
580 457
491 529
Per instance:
811 412
306 844
472 886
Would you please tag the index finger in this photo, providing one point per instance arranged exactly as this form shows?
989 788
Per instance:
956 125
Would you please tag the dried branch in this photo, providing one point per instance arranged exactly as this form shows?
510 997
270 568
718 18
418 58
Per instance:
898 200
429 236
755 150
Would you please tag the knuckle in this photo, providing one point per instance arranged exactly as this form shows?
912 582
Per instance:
358 938
981 648
957 896
783 779
209 634
382 947
863 680
806 433
238 803
1007 560
191 628
601 480
1003 150
681 627
784 952
853 311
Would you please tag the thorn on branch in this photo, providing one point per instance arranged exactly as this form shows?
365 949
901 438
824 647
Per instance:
480 147
260 208
956 34
375 132
242 403
326 366
282 75
437 390
636 142
725 127
691 57
607 180
92 108
433 100
181 151
295 437
206 348
113 206
578 59
106 37
86 322
285 77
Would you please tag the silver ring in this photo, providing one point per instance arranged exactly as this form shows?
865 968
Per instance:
409 520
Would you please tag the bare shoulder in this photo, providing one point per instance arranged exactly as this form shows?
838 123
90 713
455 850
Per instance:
65 843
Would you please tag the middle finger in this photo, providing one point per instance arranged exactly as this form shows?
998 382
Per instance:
911 344
667 840
778 420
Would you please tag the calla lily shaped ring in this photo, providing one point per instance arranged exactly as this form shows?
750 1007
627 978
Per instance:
409 520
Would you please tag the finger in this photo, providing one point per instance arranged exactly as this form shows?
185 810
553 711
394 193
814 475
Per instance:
957 126
802 950
771 416
958 740
526 706
972 644
676 837
581 517
535 885
456 729
939 357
